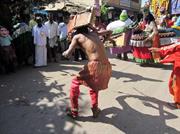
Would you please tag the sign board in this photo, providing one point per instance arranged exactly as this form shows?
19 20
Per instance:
114 2
125 3
83 2
135 5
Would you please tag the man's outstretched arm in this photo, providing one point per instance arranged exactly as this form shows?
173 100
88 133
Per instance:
107 35
71 48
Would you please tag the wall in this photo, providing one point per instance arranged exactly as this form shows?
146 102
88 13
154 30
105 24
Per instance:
125 4
136 4
113 2
83 2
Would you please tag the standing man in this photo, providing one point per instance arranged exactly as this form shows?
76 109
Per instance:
63 33
95 75
32 23
53 33
40 34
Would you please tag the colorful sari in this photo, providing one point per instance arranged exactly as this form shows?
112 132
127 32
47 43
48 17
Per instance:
141 51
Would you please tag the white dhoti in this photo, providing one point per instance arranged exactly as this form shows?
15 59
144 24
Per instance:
40 56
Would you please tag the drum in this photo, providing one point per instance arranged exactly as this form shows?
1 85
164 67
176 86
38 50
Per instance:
167 34
139 37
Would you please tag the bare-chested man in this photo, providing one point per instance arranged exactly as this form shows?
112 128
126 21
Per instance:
95 75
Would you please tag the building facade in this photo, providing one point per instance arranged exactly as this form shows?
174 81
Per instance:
83 2
130 5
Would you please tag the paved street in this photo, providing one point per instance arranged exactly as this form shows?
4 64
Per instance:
33 101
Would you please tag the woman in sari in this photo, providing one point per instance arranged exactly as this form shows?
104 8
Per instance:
140 50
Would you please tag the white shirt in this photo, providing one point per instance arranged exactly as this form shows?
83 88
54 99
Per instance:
52 29
40 35
62 30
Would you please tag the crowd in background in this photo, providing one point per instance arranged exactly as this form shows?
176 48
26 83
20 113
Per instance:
33 37
26 43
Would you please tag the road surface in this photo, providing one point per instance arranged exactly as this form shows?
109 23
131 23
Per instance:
33 101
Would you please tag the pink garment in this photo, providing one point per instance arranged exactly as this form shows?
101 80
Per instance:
74 94
95 75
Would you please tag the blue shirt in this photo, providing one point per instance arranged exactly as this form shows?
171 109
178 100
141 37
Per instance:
62 31
5 41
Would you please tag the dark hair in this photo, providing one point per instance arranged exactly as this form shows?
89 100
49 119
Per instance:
50 15
83 29
139 17
61 19
149 18
98 18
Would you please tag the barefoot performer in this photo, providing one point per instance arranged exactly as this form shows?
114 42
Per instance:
96 74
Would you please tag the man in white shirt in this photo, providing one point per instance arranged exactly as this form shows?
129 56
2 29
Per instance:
40 34
53 33
63 32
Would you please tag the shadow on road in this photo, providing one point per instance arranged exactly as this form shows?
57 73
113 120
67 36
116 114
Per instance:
159 65
131 77
131 121
32 103
31 106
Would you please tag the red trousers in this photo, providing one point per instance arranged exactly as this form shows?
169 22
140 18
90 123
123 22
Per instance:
74 94
174 87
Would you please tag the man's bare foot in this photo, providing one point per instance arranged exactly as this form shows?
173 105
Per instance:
95 112
178 105
174 105
72 114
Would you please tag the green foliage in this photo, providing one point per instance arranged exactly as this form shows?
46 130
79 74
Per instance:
104 9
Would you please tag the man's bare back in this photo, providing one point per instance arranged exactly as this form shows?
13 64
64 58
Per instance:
90 43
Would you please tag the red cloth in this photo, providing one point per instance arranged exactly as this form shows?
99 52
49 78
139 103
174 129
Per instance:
170 23
96 75
176 89
172 55
74 94
142 25
141 53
